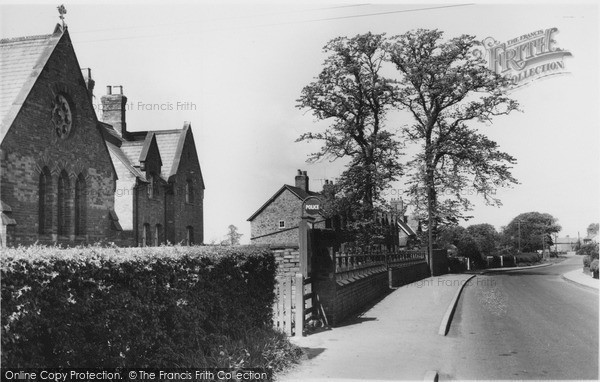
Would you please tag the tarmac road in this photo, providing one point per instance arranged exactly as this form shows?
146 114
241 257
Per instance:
528 324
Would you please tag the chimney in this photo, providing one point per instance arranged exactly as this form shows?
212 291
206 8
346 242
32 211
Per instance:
113 109
89 82
302 180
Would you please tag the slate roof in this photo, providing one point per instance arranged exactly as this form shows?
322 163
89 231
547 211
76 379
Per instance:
135 148
300 193
21 62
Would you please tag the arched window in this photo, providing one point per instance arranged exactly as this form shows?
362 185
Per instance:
158 238
189 239
64 195
146 237
80 205
189 191
45 202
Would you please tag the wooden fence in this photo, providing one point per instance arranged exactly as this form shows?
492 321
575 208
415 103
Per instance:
287 317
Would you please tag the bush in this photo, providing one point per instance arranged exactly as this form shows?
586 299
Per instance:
586 261
131 307
457 264
594 266
590 249
528 258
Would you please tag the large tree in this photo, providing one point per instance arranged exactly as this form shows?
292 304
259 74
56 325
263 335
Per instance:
531 231
354 97
448 89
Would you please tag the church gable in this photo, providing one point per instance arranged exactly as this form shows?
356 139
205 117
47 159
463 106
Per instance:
50 134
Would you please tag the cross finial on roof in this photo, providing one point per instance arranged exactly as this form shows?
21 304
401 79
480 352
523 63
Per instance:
62 11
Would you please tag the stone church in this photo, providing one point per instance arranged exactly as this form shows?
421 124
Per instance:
69 178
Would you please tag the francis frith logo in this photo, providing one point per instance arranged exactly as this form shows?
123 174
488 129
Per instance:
526 58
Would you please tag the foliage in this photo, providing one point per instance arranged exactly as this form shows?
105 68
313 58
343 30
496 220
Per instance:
589 249
446 87
130 307
535 228
594 266
457 264
351 93
592 229
233 237
528 258
474 242
587 261
486 237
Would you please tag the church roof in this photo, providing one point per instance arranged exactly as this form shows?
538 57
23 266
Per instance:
21 62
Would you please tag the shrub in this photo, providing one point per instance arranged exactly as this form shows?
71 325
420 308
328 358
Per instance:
528 258
586 261
590 249
594 266
130 307
457 264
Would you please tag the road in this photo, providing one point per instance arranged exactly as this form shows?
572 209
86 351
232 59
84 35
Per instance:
524 325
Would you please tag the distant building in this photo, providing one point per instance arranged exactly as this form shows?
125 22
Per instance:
276 221
565 244
407 225
68 178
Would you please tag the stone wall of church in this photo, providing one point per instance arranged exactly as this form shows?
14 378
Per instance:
33 144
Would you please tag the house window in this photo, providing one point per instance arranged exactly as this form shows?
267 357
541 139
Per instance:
80 205
158 235
64 195
189 239
281 224
153 186
189 191
45 202
146 239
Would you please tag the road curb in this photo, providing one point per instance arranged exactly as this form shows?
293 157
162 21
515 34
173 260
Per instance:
513 269
578 284
447 320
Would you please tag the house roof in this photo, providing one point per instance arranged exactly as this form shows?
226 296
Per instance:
300 193
135 149
21 62
116 153
406 228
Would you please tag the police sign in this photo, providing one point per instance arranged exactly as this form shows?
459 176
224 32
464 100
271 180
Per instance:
312 206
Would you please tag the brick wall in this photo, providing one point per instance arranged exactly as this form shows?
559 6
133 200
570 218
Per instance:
32 144
287 258
181 213
342 298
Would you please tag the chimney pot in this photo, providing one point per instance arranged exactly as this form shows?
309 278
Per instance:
302 180
114 108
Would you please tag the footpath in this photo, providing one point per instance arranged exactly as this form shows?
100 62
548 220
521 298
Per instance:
577 276
397 339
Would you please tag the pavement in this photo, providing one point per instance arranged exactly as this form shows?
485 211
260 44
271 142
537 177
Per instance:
397 339
578 277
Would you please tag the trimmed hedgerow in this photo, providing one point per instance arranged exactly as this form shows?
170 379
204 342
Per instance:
131 307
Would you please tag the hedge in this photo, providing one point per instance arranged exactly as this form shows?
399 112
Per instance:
130 307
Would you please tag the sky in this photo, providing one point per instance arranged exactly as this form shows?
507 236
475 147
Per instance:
236 69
